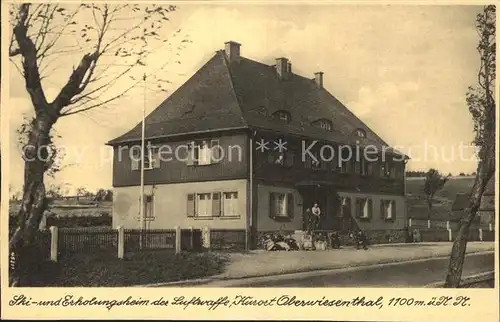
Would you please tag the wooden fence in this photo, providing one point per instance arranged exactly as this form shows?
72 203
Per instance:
74 241
151 239
86 240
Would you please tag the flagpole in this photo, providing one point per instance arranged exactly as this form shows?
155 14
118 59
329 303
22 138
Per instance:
141 198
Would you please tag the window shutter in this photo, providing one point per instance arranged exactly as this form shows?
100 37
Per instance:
370 208
290 207
289 159
357 167
134 163
191 205
216 204
215 151
272 204
322 164
190 153
382 209
155 158
359 207
308 162
369 166
346 207
134 159
393 210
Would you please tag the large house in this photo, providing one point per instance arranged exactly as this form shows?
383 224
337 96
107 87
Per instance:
246 145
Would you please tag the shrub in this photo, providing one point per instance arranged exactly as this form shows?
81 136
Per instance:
146 267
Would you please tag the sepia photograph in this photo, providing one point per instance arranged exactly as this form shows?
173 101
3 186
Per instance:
244 145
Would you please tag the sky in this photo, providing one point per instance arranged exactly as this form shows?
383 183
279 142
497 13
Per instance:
404 70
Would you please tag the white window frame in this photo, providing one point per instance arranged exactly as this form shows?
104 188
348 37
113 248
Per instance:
361 133
205 151
283 116
365 213
145 214
234 203
325 125
388 205
147 156
283 211
207 201
205 148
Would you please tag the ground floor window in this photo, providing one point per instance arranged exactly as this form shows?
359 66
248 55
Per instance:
148 207
345 207
388 209
204 205
213 204
230 202
281 205
364 208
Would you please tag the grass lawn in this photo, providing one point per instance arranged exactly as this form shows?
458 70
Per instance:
106 270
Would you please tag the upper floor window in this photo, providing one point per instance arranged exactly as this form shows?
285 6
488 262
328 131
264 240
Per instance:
151 157
282 116
203 152
324 124
281 158
361 133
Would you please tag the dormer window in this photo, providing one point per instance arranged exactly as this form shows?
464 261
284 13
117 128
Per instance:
324 124
282 116
361 133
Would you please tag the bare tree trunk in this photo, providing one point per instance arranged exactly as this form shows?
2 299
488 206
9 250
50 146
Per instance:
33 201
457 257
429 207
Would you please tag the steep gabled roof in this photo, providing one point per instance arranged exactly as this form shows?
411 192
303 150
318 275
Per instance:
205 102
244 94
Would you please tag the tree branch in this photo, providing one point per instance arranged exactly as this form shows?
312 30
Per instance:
28 51
74 85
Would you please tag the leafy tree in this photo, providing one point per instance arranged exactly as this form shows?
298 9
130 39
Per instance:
109 42
434 182
481 102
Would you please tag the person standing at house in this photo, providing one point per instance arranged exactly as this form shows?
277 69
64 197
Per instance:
316 215
308 221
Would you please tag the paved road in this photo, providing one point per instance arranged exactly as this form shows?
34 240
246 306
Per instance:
411 274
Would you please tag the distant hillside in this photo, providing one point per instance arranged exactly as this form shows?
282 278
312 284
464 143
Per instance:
417 207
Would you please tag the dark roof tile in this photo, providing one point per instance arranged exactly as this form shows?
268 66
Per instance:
245 94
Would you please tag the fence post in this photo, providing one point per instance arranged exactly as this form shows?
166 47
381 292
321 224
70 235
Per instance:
121 242
480 234
409 222
206 237
177 239
428 223
448 225
191 238
53 243
450 235
490 226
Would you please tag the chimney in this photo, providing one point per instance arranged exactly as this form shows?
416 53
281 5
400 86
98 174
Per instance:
318 78
232 50
282 67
